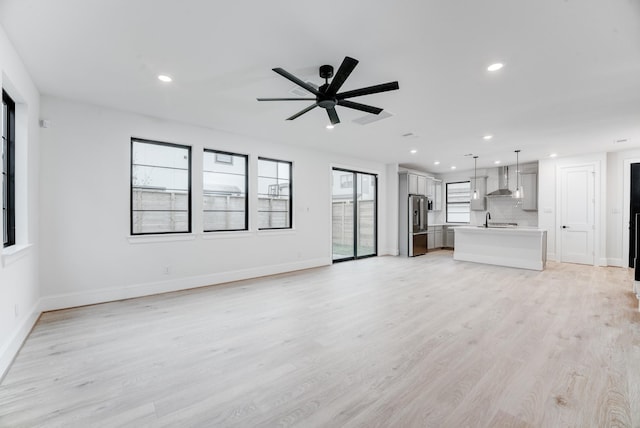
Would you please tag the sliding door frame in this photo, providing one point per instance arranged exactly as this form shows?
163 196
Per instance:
356 229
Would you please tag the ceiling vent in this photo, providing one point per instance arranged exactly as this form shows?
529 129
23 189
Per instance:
370 118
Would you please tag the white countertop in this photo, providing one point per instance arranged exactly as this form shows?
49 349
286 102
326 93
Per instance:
518 229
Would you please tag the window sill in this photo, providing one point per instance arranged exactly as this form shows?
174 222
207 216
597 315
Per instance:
149 239
14 253
227 235
269 232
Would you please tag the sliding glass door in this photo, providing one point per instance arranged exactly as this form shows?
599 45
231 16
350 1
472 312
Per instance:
354 215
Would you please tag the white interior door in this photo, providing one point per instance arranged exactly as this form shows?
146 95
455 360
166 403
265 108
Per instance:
577 212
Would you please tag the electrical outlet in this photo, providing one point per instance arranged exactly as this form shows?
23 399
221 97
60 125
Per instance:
16 312
167 270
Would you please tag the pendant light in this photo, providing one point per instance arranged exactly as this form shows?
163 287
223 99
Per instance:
519 193
475 177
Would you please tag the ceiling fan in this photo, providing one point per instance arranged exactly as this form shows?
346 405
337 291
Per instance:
327 95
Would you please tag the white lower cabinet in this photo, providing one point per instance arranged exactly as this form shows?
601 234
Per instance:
438 238
434 237
449 237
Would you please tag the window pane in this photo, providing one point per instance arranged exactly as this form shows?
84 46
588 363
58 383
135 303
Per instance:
274 194
153 177
366 214
342 224
284 170
153 200
214 163
224 220
161 191
160 155
267 168
160 221
225 189
224 184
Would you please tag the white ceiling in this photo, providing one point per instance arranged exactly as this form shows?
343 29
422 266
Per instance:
571 81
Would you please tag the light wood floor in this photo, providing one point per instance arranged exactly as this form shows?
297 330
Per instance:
381 342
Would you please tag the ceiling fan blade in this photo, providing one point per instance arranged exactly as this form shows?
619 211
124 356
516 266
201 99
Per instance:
297 81
301 112
358 106
347 66
368 90
285 99
333 115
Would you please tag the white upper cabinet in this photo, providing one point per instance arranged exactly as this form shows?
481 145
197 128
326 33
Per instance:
430 187
437 195
422 185
530 190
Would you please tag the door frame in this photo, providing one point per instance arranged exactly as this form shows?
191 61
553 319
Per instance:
626 205
596 208
376 174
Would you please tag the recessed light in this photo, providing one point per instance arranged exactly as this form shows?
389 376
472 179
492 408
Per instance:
495 67
453 167
553 155
487 137
413 152
436 163
497 162
164 78
330 126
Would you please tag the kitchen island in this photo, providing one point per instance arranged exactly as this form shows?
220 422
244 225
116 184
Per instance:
519 247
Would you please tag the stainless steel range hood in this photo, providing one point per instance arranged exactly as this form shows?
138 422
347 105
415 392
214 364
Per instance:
503 183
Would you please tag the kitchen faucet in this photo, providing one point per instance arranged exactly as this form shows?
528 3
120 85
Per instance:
486 219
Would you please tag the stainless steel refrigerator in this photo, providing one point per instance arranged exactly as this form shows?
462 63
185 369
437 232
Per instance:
417 225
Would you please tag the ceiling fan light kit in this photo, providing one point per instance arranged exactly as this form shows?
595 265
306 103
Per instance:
327 95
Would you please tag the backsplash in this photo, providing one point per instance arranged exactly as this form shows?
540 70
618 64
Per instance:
508 210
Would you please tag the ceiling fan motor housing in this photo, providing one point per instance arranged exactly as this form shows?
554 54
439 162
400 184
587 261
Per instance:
326 71
325 101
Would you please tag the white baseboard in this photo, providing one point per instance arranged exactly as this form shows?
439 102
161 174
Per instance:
69 300
389 252
616 262
9 351
551 257
602 261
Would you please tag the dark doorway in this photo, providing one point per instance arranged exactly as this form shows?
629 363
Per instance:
634 207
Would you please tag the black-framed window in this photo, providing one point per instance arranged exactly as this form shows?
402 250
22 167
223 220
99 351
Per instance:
8 171
274 194
225 185
459 202
160 187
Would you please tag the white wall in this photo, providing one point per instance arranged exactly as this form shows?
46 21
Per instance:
19 291
392 210
87 254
